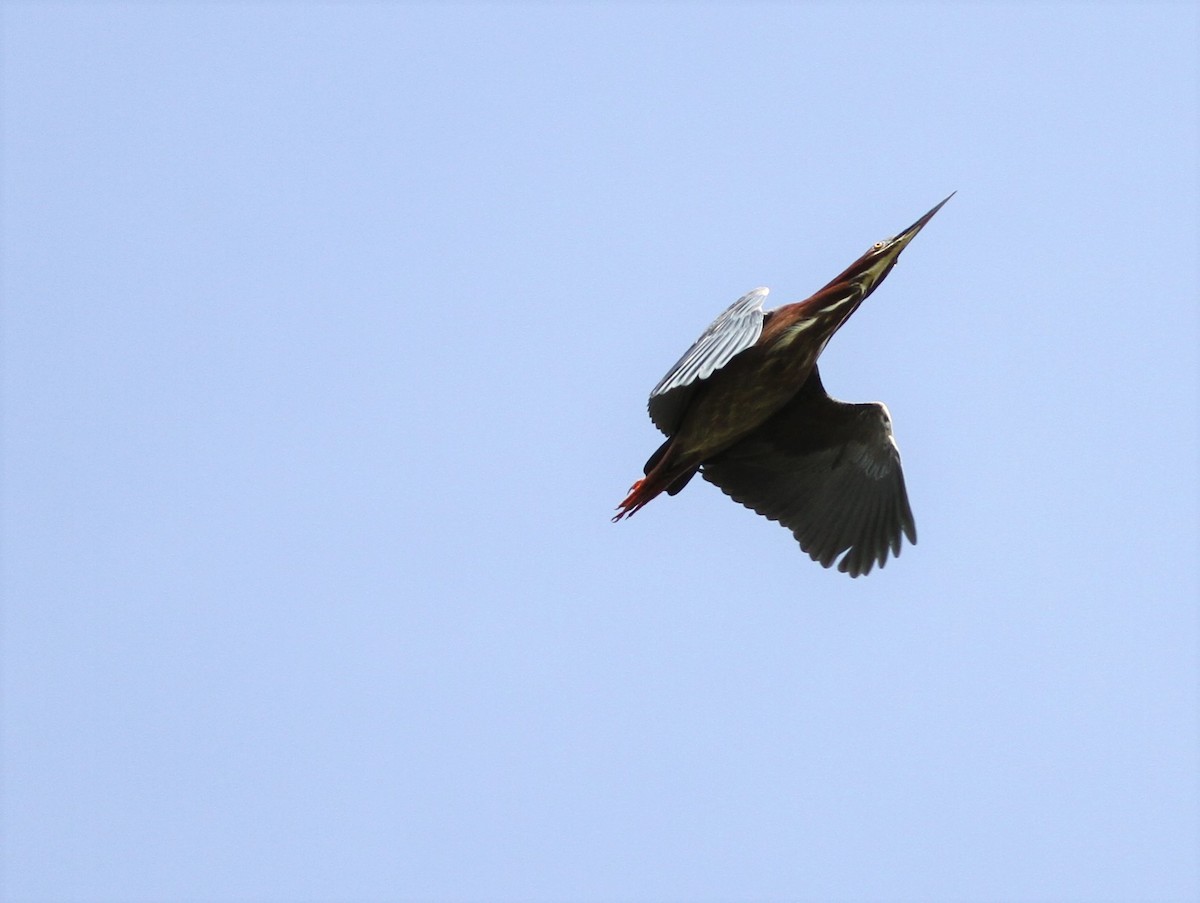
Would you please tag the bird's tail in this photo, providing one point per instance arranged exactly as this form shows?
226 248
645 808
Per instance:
661 476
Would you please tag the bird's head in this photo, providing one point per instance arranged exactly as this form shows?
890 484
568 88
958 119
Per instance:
870 269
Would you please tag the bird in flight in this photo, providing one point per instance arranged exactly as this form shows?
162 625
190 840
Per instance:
745 407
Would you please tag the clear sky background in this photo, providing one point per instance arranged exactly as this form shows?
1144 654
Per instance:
328 331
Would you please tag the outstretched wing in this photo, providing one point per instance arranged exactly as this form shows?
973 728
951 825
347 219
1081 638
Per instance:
829 472
734 331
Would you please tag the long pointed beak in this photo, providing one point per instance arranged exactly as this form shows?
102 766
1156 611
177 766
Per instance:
871 269
900 241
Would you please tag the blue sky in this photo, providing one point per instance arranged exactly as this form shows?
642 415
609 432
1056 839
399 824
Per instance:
327 335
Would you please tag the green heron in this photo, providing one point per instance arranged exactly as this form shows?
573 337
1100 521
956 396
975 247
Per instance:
745 407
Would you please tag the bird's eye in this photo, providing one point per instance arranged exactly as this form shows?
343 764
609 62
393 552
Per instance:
878 245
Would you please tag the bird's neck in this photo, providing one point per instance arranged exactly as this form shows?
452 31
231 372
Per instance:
813 321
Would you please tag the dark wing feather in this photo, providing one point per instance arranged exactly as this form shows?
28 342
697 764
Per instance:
829 472
734 331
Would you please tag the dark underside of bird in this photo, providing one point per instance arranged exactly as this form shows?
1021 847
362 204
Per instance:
745 408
